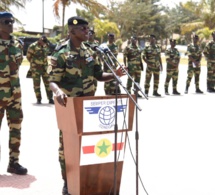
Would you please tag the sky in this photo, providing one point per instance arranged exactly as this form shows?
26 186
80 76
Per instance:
31 16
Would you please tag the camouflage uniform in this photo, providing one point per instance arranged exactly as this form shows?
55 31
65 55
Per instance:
152 54
110 87
73 70
172 56
193 51
37 55
10 93
134 64
209 52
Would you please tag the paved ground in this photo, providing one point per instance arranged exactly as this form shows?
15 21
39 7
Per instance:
176 145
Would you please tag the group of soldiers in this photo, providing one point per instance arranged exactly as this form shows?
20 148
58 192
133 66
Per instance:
151 55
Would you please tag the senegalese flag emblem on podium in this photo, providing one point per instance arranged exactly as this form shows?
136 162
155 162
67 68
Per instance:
102 151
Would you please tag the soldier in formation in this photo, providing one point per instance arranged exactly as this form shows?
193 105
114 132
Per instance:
194 54
172 60
133 60
93 42
37 55
111 87
152 57
209 53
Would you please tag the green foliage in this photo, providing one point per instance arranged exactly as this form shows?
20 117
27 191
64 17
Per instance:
51 39
103 27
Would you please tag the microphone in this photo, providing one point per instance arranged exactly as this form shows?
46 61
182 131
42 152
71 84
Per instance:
94 47
104 47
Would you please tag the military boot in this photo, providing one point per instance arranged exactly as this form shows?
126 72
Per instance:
186 89
16 168
175 92
166 91
146 92
198 91
155 93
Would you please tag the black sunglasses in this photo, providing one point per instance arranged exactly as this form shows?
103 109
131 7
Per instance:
83 28
6 22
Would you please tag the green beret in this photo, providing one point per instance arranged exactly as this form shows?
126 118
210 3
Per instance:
76 20
5 15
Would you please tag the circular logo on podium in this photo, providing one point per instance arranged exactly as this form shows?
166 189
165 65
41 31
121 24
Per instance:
107 115
103 148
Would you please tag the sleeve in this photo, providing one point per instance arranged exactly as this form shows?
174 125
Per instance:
97 70
57 67
188 50
144 52
205 51
30 53
125 52
167 54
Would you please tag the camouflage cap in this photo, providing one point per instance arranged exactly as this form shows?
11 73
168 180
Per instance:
76 20
5 15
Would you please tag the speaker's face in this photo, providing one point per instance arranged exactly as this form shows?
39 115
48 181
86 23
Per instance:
81 32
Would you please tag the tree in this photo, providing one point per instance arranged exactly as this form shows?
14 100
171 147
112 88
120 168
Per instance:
5 4
92 5
204 12
102 27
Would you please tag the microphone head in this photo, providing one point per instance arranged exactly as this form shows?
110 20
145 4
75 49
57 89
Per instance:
104 47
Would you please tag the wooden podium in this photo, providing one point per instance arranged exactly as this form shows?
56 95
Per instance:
87 124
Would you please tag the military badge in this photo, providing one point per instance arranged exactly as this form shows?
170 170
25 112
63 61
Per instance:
75 22
89 59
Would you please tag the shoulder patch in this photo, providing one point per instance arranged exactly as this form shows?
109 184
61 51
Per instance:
63 45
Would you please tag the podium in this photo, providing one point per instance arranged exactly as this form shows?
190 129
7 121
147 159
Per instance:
87 124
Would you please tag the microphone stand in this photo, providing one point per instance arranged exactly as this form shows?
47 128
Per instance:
107 52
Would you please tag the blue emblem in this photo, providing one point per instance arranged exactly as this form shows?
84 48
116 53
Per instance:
107 115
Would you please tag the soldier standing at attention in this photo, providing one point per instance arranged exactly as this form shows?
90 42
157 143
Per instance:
194 53
92 41
172 60
10 92
110 87
37 55
72 71
132 59
209 53
152 57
